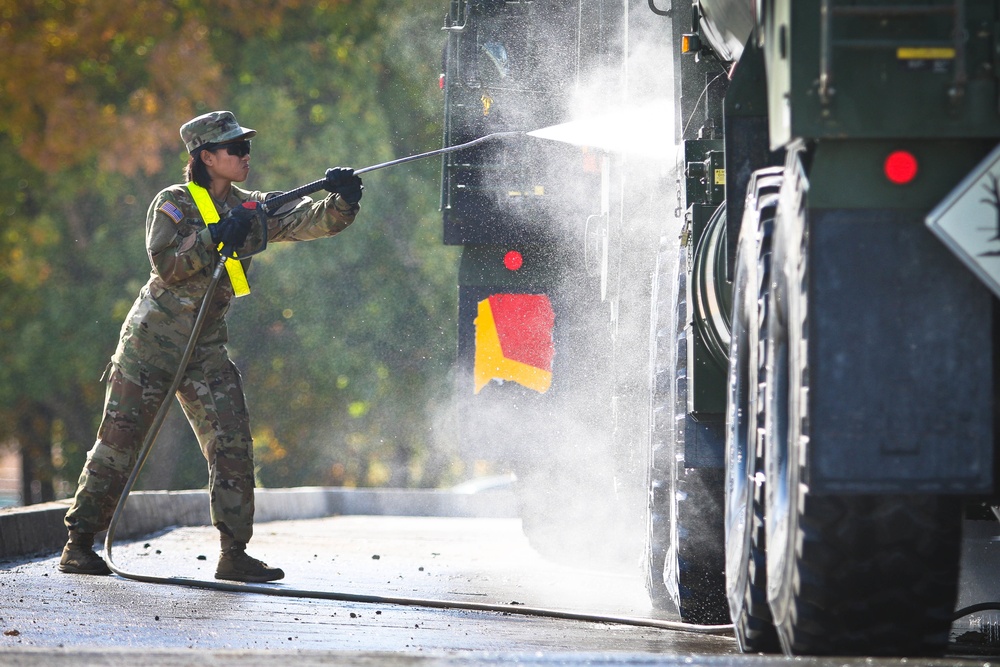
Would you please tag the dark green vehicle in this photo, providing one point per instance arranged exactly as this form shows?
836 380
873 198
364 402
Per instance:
819 426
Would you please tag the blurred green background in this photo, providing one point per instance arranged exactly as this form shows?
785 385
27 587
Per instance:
346 345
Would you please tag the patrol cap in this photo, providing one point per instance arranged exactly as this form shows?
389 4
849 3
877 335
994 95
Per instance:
215 127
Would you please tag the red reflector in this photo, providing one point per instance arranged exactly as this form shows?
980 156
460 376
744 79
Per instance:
441 82
513 260
900 167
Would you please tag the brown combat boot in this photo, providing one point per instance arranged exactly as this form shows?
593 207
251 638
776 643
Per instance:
236 565
78 556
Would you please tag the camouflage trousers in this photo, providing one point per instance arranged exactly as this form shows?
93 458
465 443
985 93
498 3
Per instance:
215 407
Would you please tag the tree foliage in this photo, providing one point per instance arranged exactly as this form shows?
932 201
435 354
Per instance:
346 343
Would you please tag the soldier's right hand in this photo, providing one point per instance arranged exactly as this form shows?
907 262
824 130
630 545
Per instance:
232 231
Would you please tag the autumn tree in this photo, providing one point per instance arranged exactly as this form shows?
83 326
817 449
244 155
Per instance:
345 343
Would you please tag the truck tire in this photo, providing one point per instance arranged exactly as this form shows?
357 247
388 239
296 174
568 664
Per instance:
662 339
684 556
746 571
846 574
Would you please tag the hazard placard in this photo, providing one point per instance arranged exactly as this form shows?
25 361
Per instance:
968 221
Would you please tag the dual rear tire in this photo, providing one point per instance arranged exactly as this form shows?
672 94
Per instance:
830 574
847 574
804 573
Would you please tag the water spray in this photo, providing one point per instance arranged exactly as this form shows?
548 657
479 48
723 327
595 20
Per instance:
270 208
645 130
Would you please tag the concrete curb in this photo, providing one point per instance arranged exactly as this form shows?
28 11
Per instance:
39 529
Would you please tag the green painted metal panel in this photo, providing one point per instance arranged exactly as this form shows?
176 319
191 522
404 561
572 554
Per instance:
879 70
849 174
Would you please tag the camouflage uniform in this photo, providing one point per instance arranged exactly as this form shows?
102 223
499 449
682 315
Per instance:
153 338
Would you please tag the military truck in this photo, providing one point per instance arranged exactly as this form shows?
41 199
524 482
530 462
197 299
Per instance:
820 415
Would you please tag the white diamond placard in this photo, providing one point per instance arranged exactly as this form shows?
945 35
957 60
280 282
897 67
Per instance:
968 221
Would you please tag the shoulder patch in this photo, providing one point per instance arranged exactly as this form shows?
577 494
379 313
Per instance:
172 211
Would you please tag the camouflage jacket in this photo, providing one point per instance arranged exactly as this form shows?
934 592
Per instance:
183 258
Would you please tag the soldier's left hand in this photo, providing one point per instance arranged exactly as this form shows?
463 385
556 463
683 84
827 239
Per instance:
343 181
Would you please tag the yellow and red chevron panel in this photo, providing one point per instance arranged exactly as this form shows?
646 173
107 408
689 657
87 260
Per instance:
514 341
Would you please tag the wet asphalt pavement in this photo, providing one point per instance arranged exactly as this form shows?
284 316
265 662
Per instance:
52 618
467 560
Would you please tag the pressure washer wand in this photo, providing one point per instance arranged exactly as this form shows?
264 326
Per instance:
275 203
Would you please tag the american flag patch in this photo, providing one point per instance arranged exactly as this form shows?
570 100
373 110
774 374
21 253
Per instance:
172 211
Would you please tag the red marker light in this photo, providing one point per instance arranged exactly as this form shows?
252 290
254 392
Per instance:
900 167
513 260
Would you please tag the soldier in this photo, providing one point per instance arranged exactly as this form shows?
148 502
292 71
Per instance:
185 226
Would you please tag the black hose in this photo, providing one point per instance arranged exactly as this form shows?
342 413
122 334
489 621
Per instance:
281 591
272 206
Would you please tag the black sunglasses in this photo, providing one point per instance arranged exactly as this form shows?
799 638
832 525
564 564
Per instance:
237 148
